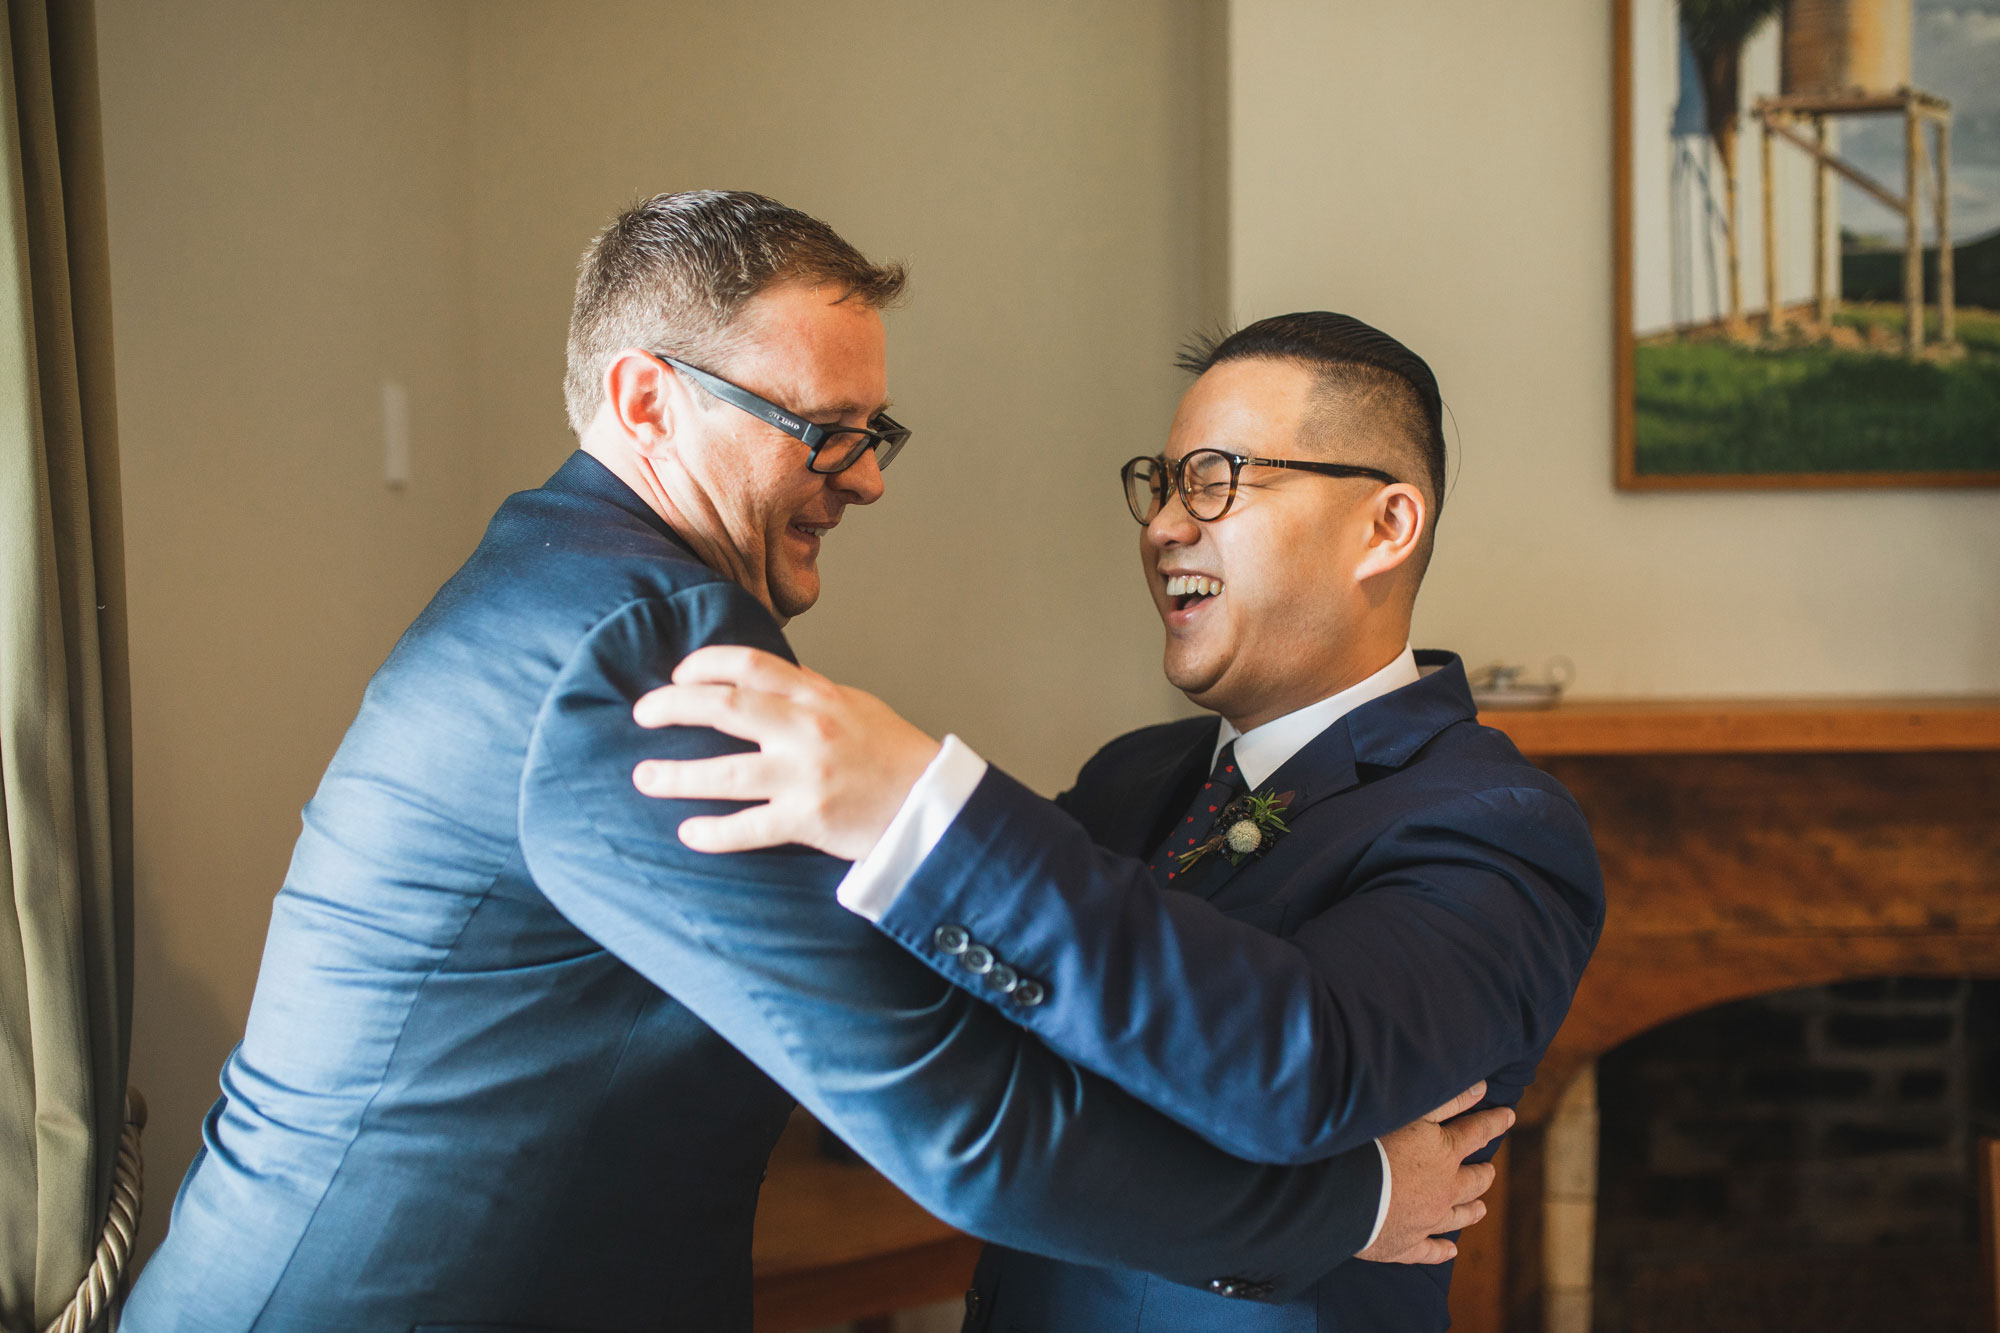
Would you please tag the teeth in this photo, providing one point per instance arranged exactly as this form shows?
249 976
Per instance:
1193 585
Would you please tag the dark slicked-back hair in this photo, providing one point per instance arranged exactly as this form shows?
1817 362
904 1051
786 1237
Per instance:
673 273
1364 382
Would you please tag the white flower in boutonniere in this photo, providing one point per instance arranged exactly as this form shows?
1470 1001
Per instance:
1246 828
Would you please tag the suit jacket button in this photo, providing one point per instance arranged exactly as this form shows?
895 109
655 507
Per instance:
1030 993
977 959
972 1305
1003 979
1222 1286
951 939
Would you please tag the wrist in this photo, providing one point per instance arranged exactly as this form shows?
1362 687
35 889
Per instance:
914 759
874 883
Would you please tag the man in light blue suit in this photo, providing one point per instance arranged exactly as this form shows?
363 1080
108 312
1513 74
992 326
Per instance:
517 1056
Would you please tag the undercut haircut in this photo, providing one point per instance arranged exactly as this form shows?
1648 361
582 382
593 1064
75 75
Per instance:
673 274
1366 386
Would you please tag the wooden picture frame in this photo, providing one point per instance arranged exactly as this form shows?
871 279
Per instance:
1629 472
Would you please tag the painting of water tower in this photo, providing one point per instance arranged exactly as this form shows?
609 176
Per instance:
1808 243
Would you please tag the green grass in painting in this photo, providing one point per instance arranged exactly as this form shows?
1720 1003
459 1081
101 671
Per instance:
1711 407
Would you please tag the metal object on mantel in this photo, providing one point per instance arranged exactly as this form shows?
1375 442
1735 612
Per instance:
1500 685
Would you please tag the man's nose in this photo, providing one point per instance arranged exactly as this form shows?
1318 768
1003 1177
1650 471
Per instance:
1173 525
860 483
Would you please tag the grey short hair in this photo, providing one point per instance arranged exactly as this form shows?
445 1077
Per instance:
673 273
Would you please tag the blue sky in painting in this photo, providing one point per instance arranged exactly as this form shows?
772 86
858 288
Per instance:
1956 54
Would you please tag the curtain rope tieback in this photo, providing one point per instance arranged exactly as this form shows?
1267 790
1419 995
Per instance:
106 1277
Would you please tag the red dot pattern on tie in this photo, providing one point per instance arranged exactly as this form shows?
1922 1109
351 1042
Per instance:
1166 859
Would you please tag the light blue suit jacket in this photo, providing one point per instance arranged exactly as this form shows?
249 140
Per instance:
495 1070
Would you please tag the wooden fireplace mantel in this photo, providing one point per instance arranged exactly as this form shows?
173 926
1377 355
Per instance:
1748 847
1753 726
1759 845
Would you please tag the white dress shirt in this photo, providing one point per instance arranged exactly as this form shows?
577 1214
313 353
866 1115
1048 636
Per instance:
873 883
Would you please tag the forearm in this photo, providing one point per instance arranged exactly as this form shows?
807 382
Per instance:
1275 1049
1124 980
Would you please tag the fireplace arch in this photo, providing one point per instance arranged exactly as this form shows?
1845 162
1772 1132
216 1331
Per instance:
1803 1159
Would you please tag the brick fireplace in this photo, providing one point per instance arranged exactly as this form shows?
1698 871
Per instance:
1842 860
1799 1160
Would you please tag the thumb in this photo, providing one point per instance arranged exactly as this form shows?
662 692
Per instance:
1460 1104
1473 1132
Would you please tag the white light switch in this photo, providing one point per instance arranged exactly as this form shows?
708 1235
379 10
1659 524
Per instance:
395 435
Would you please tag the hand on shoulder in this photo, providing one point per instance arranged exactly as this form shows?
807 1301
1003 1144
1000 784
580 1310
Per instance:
832 768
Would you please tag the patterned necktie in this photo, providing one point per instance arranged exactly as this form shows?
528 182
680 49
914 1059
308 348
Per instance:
1224 785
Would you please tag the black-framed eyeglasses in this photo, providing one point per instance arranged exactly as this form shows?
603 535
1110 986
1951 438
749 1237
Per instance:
834 448
1206 480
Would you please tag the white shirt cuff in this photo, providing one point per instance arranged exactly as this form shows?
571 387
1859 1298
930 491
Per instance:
1382 1208
872 884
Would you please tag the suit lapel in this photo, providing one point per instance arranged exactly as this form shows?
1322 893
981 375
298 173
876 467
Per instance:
1133 812
1175 784
1131 808
1383 733
1325 767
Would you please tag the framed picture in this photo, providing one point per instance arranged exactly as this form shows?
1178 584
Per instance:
1808 243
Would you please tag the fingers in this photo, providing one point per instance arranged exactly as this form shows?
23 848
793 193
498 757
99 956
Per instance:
1460 1104
751 715
728 777
751 668
1429 1250
1470 1133
1471 1182
744 831
1437 1249
1465 1214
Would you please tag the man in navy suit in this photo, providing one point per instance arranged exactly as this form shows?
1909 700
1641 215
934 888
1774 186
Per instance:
1282 927
517 1056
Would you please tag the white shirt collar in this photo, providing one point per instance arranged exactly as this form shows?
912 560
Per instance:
1262 751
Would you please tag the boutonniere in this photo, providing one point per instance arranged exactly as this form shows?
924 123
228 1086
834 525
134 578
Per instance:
1246 828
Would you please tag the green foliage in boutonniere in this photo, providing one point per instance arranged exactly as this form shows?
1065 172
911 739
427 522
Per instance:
1246 828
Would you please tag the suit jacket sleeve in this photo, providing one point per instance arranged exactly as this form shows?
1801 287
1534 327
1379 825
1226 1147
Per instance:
974 1118
1455 955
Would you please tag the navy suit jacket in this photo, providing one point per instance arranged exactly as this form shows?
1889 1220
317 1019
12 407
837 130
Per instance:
517 1057
1422 926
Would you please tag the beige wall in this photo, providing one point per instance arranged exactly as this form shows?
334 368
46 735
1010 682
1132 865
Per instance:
1444 170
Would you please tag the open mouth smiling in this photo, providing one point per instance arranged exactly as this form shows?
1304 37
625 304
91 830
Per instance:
1192 590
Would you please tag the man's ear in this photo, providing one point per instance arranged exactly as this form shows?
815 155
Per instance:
1397 518
644 395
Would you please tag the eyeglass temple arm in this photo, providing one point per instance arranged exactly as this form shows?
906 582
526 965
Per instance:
1326 469
811 433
